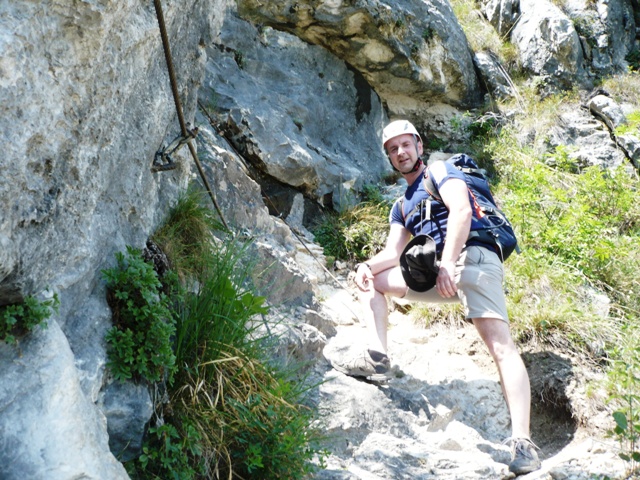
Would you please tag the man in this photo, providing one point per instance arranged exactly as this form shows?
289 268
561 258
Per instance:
469 272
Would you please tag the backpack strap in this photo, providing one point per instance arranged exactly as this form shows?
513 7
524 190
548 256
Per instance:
432 189
430 186
414 210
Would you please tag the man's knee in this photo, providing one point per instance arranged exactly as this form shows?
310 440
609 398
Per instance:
496 334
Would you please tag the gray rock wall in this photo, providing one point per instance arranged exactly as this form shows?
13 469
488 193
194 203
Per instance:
315 131
86 102
414 54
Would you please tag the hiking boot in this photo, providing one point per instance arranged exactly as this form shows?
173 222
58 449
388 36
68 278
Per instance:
367 363
524 458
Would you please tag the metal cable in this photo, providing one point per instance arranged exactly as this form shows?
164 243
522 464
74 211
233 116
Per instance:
176 99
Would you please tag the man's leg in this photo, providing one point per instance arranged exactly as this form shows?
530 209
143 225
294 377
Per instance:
375 308
513 374
372 362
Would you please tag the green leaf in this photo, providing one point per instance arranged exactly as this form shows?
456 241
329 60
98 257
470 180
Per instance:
620 419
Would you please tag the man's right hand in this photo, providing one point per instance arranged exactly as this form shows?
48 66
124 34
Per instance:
364 277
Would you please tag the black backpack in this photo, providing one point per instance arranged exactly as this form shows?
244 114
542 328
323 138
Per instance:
490 225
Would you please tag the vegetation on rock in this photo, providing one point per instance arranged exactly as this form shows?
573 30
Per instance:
229 411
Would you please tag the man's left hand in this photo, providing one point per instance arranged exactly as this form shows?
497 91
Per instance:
446 281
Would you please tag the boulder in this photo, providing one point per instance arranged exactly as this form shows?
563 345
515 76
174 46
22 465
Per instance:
50 429
548 44
607 30
413 54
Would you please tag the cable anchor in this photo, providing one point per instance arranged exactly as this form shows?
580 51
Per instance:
162 161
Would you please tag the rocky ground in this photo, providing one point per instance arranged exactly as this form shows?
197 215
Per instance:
442 415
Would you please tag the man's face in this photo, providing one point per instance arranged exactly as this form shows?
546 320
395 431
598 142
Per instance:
402 152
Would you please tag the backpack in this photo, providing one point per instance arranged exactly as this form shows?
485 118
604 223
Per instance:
494 228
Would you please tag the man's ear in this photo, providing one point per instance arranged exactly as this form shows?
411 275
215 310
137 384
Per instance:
420 148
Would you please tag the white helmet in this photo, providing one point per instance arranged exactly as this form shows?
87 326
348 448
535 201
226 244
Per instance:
398 127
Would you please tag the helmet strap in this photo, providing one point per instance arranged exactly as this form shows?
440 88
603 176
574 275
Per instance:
417 165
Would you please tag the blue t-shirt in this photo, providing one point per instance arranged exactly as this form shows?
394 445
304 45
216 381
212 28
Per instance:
413 218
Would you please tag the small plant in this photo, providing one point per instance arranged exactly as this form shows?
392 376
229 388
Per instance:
427 34
238 56
185 236
434 143
624 387
356 234
632 126
460 123
167 454
19 319
562 160
633 57
140 340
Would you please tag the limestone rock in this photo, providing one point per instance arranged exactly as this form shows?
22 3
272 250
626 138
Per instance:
49 427
321 148
608 30
607 110
631 145
493 75
412 53
128 408
87 100
502 14
587 139
548 43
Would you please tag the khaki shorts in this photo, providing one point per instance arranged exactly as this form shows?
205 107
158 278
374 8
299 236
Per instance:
479 277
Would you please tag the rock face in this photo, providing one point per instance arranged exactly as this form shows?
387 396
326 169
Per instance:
607 31
86 102
293 105
48 427
570 42
414 54
321 148
548 43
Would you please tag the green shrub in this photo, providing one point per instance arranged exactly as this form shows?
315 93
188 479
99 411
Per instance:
230 411
358 233
139 343
185 236
167 454
624 388
633 57
19 319
632 126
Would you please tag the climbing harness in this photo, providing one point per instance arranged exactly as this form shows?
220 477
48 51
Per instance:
164 163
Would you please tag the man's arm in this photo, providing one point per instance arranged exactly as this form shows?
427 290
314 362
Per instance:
455 196
387 258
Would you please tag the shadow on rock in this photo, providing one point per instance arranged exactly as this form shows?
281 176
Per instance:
553 400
